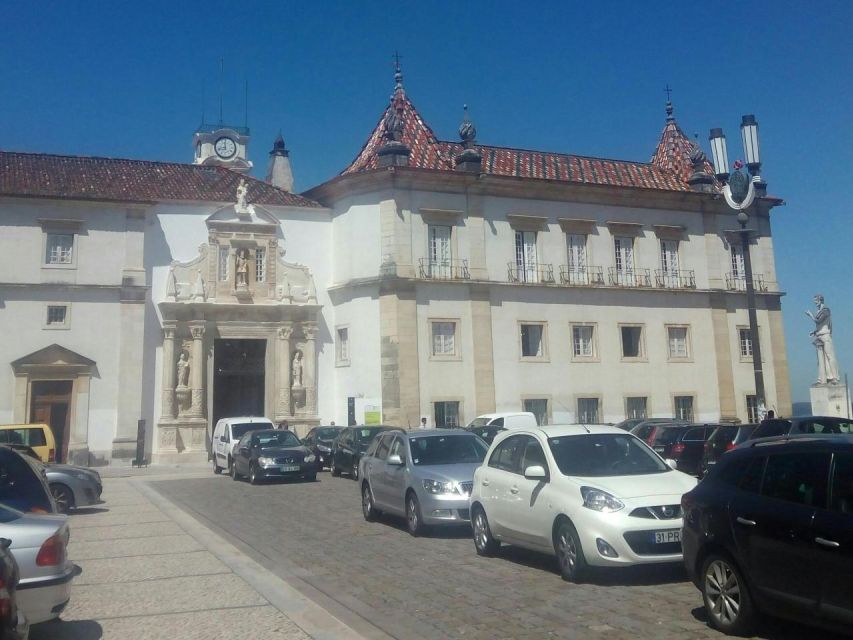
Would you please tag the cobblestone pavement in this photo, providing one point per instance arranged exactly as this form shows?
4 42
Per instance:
314 536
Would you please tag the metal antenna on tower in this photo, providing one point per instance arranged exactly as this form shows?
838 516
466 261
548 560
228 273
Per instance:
221 67
203 83
246 104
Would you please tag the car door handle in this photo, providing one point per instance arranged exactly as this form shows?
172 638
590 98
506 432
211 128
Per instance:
832 544
485 483
748 523
514 490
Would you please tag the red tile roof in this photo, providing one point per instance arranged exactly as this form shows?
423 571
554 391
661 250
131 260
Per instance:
428 152
673 152
114 179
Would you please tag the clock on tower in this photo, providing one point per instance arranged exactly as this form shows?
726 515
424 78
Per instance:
222 145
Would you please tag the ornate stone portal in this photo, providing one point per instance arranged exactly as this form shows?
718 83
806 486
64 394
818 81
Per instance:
238 288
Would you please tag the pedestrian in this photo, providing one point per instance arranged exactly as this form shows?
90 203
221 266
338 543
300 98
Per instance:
284 425
423 423
771 415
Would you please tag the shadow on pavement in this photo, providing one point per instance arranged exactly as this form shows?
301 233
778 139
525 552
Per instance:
86 511
61 630
778 629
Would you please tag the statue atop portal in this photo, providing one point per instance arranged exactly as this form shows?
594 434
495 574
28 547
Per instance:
243 208
827 365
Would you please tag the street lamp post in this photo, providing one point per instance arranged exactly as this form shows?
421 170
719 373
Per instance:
740 192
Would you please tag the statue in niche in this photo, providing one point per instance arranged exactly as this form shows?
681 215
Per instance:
827 365
296 370
242 269
183 369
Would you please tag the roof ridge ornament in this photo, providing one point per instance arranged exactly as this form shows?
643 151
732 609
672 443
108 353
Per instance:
398 73
669 109
470 159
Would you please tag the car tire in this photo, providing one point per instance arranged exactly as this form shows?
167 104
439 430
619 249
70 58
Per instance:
233 470
335 471
368 507
726 596
254 478
311 478
570 557
63 497
354 472
414 518
216 468
484 543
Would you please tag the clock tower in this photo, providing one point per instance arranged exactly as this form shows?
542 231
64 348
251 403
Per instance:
222 145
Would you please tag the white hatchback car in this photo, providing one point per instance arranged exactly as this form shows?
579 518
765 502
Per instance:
591 495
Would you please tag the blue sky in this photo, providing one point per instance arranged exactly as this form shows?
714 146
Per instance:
125 79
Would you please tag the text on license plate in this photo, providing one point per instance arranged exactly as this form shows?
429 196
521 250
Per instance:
662 537
290 467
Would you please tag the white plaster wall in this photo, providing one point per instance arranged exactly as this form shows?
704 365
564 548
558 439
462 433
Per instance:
356 239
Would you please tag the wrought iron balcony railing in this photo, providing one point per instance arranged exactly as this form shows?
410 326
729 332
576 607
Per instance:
444 270
675 279
632 278
531 273
737 281
581 276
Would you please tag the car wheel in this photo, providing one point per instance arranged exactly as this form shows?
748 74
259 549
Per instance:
726 596
63 496
216 468
233 470
254 477
335 471
484 543
368 508
311 478
414 519
570 558
354 473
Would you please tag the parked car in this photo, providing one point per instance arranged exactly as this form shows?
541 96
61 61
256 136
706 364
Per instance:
73 487
802 424
13 623
39 436
23 485
645 430
227 433
770 529
321 440
272 453
424 476
39 545
590 495
683 443
507 420
350 445
724 438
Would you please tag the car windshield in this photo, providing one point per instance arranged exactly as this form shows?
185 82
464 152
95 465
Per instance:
276 439
724 435
430 450
604 454
327 433
665 435
242 428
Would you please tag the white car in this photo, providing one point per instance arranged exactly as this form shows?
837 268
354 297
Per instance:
226 435
591 495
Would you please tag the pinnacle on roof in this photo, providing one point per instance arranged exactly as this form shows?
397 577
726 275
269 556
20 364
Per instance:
675 151
278 148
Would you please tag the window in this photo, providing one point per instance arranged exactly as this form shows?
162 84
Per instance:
684 408
576 247
745 339
223 264
632 342
260 265
669 257
738 269
582 341
342 354
677 337
696 434
799 478
447 414
398 448
636 407
532 455
842 484
752 408
588 410
525 256
532 341
57 316
539 408
382 448
443 338
59 249
506 455
439 251
624 248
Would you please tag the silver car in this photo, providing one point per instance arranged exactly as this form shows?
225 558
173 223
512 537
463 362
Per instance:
73 487
425 476
39 544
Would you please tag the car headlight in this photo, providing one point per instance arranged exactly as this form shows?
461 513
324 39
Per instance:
324 448
440 487
82 476
265 461
310 457
599 500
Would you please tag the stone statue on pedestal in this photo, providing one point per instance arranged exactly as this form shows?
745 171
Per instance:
183 370
296 370
242 270
827 365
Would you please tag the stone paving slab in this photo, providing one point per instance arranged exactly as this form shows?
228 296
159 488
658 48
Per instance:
110 517
180 543
116 570
125 531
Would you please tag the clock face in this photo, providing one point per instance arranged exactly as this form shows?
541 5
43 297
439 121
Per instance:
225 147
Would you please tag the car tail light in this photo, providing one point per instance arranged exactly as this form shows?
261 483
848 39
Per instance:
677 450
51 455
52 552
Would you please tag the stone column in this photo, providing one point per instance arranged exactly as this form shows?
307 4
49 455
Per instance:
309 374
284 408
167 407
197 371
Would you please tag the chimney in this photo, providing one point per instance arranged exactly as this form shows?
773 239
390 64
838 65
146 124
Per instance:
279 173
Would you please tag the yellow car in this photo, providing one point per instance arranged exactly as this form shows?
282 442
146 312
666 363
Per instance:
39 436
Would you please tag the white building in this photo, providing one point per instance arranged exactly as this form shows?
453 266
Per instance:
430 279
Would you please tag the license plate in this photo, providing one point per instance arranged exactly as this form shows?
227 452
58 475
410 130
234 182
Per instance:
662 537
289 467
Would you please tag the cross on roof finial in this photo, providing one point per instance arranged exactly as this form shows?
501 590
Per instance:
669 116
668 93
398 71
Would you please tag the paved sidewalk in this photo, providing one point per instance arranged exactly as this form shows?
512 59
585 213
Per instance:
151 571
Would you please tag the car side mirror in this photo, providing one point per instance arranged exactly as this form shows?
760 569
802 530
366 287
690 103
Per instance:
535 472
395 460
672 464
223 438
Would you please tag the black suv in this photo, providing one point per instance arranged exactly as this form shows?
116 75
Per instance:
725 438
350 445
802 424
770 529
682 443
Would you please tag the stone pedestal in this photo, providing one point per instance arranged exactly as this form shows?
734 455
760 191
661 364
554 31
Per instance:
830 400
181 440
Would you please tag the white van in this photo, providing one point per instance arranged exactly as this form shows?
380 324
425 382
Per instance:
505 420
227 433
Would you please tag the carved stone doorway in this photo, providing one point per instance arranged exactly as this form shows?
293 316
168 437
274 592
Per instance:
51 404
239 376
